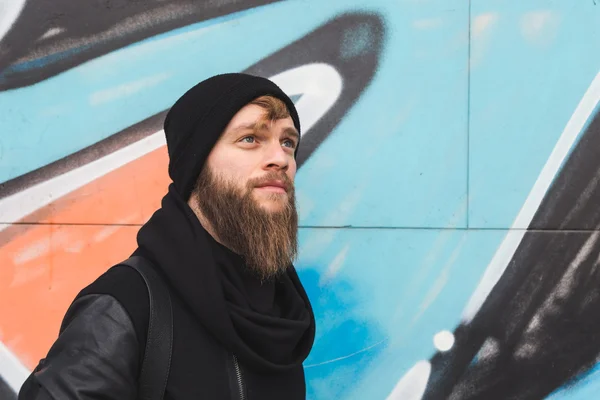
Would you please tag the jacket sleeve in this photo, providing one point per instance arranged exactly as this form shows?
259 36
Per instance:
96 355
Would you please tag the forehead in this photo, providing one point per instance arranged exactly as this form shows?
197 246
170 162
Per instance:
248 113
249 116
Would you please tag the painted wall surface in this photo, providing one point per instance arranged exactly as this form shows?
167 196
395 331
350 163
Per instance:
448 182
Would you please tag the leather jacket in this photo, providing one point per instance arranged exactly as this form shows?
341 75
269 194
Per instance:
99 351
97 354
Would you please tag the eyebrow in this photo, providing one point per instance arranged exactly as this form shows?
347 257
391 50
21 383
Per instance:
252 127
244 127
292 132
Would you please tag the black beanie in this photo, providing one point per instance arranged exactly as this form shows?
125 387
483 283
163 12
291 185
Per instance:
197 119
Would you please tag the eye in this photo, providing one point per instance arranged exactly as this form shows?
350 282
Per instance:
248 139
289 143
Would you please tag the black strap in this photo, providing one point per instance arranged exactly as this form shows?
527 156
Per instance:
159 344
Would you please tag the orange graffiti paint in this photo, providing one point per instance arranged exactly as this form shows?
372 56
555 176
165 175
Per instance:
76 238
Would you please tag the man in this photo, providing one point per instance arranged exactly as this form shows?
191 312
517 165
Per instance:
223 241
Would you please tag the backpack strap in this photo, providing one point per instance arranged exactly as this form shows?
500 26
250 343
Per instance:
159 344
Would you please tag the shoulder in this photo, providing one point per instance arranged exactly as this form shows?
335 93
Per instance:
121 282
95 355
101 341
128 288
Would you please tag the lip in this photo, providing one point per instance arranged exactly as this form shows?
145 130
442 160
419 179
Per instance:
274 186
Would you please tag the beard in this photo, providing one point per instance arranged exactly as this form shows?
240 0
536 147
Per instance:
266 240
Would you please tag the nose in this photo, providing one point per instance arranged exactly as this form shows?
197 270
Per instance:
276 157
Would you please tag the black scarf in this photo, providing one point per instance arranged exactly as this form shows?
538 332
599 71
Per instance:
269 327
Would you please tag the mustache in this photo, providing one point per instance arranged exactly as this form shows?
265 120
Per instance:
272 176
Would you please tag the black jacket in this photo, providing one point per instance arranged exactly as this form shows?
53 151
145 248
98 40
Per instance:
233 338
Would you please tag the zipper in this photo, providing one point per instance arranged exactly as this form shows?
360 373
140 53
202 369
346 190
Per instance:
240 381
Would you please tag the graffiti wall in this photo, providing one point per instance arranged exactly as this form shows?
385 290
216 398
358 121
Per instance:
448 186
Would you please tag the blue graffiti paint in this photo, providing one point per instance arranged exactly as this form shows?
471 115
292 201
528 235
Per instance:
533 63
338 340
401 162
404 286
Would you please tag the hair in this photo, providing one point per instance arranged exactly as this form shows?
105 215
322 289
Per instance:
267 241
275 108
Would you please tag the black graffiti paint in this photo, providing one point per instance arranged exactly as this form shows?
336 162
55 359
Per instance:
51 36
538 330
362 32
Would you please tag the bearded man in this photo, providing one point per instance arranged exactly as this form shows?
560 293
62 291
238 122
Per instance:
223 243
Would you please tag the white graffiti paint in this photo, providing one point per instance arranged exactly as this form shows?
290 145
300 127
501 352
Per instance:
13 372
51 33
443 340
9 13
540 27
320 86
413 384
17 206
513 238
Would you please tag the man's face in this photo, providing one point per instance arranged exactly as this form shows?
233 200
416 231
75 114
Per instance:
247 153
246 193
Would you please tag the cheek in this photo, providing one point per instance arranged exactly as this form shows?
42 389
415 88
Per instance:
232 169
236 179
291 172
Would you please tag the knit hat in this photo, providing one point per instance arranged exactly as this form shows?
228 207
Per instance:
197 119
